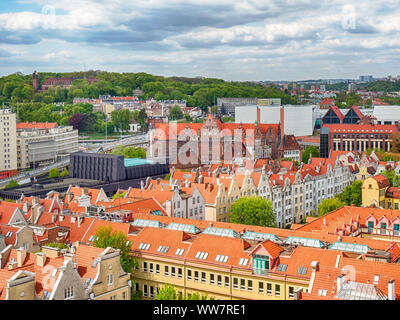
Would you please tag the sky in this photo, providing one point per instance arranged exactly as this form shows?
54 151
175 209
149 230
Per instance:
229 39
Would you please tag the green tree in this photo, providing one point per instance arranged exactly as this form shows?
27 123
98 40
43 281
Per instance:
306 154
253 211
167 292
12 184
176 113
394 179
329 205
106 237
54 173
65 173
352 195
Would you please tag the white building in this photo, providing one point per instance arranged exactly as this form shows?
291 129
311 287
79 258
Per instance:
44 143
299 120
387 114
8 140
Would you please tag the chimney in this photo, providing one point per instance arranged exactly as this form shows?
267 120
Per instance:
80 219
391 292
282 121
339 283
211 187
21 255
51 252
40 259
70 256
86 191
12 265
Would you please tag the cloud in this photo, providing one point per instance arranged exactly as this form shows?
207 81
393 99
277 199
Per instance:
232 39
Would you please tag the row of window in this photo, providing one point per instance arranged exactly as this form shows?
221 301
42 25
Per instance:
219 280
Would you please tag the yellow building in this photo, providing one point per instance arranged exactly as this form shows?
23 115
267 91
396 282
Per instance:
375 191
219 266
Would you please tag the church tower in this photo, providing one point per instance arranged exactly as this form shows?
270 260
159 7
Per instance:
35 81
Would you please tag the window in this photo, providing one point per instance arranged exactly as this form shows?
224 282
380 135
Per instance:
172 271
219 281
242 284
212 278
261 287
151 294
162 249
291 292
69 292
145 290
144 267
157 269
123 295
150 267
383 228
376 279
179 252
179 273
196 276
144 246
302 270
243 262
201 255
166 271
249 285
221 258
235 283
278 290
189 274
203 277
110 279
226 282
322 292
54 272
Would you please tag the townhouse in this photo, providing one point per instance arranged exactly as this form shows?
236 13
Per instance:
294 193
80 273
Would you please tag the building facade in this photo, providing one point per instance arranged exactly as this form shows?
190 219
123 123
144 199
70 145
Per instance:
8 143
43 143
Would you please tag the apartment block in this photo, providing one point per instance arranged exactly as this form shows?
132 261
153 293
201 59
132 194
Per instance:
8 142
43 143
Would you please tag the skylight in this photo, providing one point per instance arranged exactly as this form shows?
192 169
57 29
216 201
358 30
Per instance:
54 272
302 270
220 232
144 246
201 255
179 252
162 249
146 223
322 292
315 243
349 247
250 235
9 234
282 267
221 258
243 262
95 263
188 228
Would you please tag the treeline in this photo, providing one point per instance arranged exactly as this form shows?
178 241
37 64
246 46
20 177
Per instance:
198 92
81 116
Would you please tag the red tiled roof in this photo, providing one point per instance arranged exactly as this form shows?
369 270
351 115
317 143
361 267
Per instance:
36 125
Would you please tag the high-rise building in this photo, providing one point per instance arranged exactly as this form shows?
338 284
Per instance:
8 143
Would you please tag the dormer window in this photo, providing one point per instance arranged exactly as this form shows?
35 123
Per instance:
260 264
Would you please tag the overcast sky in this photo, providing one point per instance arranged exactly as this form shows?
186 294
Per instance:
228 39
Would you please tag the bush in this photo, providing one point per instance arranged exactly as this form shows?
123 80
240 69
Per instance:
54 173
12 184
